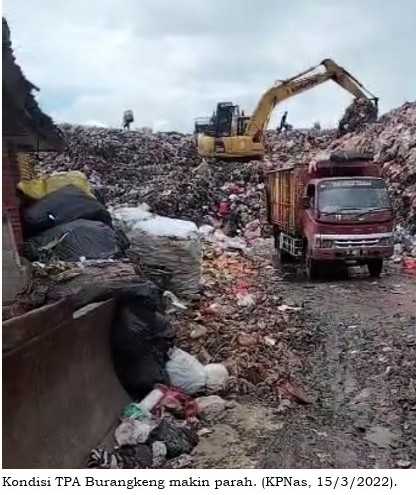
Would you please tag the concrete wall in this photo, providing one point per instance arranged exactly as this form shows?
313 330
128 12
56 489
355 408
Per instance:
60 393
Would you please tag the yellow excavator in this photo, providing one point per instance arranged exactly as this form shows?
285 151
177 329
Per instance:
231 134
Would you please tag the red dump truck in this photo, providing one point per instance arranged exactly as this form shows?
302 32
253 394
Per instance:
336 211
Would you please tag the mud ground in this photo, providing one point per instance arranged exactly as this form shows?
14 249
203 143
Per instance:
358 352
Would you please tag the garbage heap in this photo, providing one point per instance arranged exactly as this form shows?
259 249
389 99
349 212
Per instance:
241 342
357 115
162 170
242 322
392 140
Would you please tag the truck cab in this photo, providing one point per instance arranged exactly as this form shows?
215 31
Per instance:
337 211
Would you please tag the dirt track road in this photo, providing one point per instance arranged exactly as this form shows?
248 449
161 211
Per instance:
361 377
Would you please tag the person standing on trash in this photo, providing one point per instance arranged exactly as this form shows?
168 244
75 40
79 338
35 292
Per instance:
283 124
233 224
128 118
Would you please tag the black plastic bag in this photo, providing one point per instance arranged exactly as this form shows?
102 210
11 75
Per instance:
68 242
140 339
179 439
62 206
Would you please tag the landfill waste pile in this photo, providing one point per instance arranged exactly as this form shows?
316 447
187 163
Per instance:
164 427
160 431
242 323
162 170
296 146
357 115
392 141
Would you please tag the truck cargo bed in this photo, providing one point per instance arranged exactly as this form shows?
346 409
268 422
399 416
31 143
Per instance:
284 191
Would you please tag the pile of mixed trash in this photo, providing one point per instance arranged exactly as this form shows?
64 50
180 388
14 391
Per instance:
239 340
162 170
172 179
357 115
392 141
240 320
163 428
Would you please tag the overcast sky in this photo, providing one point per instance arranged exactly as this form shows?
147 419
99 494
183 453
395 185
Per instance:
171 61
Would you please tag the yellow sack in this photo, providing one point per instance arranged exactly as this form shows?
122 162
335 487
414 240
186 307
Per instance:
38 188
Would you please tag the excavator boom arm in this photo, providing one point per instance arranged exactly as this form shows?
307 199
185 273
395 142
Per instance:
299 83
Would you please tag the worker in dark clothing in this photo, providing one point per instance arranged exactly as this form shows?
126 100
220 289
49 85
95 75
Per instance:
283 124
233 223
128 118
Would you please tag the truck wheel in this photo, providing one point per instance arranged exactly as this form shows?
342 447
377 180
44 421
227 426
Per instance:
312 269
276 237
375 267
284 256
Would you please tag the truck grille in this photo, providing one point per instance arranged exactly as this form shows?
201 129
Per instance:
354 241
347 243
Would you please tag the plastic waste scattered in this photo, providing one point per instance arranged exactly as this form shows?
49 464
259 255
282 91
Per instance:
244 297
151 401
269 341
179 439
185 372
159 452
198 331
178 403
206 231
135 411
174 302
126 457
216 377
133 431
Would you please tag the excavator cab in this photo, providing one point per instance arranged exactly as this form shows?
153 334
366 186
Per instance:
203 125
226 119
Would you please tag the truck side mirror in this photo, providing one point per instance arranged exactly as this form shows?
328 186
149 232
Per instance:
306 202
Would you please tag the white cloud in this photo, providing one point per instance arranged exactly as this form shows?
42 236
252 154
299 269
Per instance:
172 61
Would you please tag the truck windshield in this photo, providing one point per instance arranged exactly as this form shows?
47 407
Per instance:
337 196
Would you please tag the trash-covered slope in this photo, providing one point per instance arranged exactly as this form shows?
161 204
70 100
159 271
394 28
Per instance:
393 141
164 169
